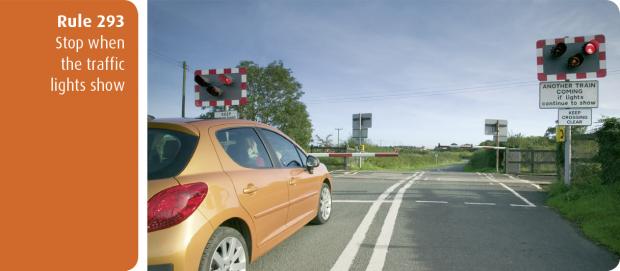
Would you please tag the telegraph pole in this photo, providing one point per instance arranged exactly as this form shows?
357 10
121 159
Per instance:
183 96
338 136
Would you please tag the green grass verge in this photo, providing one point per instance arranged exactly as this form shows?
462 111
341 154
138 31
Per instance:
593 206
406 161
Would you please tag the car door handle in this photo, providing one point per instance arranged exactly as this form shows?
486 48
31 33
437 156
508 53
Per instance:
250 189
293 181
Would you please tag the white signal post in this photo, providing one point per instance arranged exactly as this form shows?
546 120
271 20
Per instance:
360 145
567 154
497 145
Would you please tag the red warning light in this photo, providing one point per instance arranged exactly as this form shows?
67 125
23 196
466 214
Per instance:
591 47
225 80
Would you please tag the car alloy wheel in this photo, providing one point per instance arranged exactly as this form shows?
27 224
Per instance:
326 203
229 255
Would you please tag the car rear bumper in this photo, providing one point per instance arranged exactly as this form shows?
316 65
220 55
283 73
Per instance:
179 247
161 267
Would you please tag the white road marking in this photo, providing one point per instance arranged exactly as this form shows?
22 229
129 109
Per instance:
480 203
431 201
510 189
478 173
525 181
354 173
348 254
358 201
379 253
521 205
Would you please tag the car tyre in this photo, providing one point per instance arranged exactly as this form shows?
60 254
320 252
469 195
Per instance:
226 250
325 206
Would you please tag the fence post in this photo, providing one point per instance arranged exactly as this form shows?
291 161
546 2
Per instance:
532 161
506 160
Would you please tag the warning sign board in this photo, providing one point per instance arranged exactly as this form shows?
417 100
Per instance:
575 117
573 94
559 134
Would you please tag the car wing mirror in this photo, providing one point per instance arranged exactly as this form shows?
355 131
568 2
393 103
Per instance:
311 163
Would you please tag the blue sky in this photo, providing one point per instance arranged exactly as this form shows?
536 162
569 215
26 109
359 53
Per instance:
428 71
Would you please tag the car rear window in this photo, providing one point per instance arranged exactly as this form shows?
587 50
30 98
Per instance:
168 152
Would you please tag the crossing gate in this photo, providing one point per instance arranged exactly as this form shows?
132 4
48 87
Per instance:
540 162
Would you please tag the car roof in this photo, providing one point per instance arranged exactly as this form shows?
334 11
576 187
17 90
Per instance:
195 125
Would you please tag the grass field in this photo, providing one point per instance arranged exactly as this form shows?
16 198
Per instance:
593 206
406 161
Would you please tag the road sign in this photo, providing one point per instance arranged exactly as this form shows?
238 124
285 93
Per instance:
501 138
573 94
220 87
366 121
571 58
230 114
575 117
559 133
499 130
357 133
490 127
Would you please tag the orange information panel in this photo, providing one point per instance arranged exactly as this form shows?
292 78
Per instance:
69 140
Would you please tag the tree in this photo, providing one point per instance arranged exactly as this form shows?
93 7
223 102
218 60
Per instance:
274 98
608 137
550 133
530 142
324 142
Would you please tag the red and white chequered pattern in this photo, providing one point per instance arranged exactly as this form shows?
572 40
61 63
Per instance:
355 154
540 44
244 87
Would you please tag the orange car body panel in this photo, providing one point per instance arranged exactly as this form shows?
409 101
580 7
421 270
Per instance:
285 199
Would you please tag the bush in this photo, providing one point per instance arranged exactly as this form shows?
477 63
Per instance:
481 160
608 137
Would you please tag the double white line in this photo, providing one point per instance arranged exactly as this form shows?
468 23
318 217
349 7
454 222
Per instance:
377 260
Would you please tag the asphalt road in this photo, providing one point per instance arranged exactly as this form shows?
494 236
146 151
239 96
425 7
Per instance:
442 220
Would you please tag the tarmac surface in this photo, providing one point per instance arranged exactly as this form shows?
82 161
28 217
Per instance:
438 220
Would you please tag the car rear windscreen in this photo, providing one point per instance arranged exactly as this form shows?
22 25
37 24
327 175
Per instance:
168 152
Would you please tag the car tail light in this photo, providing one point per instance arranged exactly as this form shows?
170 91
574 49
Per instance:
173 205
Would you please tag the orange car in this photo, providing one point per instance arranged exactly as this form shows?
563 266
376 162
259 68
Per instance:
224 192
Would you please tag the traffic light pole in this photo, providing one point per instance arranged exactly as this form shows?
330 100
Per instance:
183 96
567 154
